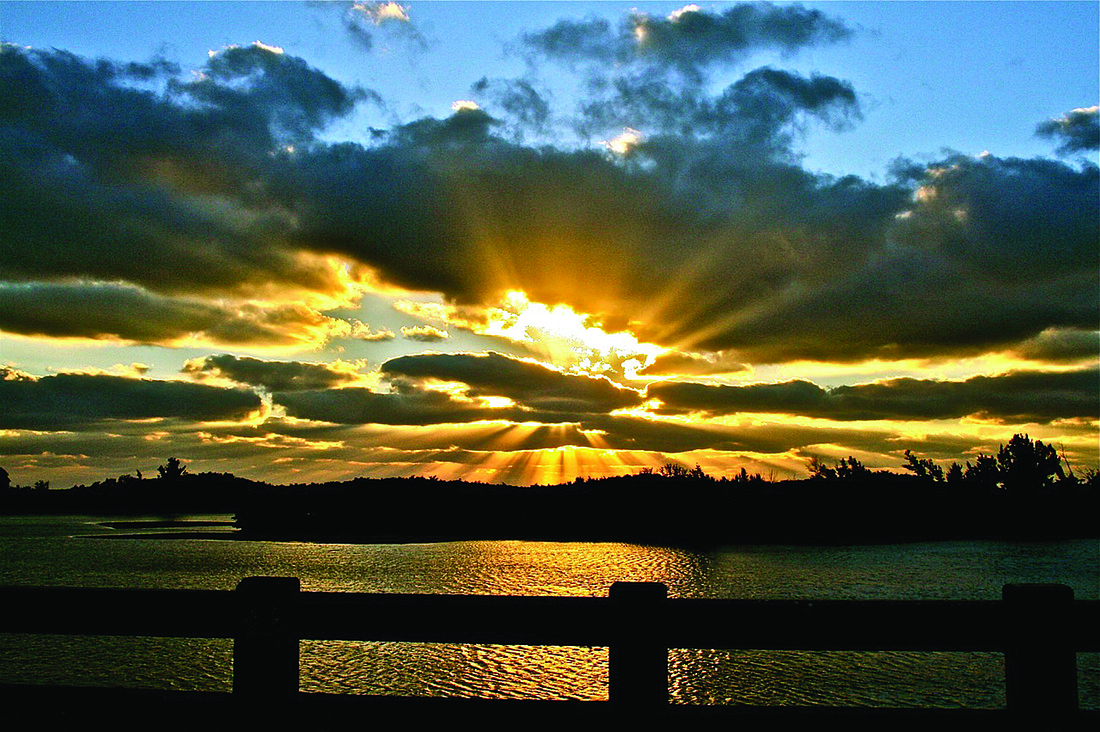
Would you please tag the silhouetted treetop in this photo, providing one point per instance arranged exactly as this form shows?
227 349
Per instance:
172 470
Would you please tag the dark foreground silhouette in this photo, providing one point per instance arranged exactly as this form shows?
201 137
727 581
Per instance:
1038 629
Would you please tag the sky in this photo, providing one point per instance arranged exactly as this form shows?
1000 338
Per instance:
524 242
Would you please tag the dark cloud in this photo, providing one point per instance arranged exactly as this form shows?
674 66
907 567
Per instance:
694 39
756 116
516 97
405 406
529 384
1077 132
689 41
725 252
769 98
1061 346
691 364
992 252
1021 396
592 39
74 401
102 177
121 312
270 375
648 74
245 102
267 94
393 420
708 236
463 132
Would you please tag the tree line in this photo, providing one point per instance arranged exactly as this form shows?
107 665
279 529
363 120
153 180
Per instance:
1023 492
1020 466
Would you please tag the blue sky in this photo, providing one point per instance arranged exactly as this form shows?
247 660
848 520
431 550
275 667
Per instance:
749 202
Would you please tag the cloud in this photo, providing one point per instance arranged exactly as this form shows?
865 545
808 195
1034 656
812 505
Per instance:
128 187
361 331
691 364
771 97
690 41
992 252
757 116
406 406
274 93
382 12
709 237
518 98
424 334
625 142
362 19
1015 397
692 38
1060 346
102 311
471 318
273 375
1077 132
107 180
730 252
72 401
530 385
637 433
370 419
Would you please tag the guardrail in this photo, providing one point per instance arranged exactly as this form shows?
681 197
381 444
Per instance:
1039 628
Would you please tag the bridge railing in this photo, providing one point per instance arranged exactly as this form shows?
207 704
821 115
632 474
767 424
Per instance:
1038 628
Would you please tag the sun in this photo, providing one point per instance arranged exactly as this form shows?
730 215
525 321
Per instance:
567 339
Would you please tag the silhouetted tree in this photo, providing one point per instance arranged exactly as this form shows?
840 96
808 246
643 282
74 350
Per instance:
1028 467
983 474
954 474
1089 478
172 470
5 480
923 468
851 469
848 468
744 477
41 485
673 470
820 470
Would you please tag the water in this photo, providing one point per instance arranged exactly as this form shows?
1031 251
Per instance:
78 551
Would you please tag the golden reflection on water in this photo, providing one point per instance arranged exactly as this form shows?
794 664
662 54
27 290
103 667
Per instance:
478 568
432 669
837 678
496 568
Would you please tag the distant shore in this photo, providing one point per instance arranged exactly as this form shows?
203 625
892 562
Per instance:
688 509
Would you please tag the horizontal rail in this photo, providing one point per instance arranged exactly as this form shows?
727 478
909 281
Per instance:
1039 628
871 625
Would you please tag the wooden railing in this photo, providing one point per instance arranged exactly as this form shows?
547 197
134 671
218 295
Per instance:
1038 628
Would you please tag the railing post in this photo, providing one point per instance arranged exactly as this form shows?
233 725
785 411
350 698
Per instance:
638 658
265 648
1040 662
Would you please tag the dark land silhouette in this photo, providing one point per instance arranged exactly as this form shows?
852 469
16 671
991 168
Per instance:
1024 492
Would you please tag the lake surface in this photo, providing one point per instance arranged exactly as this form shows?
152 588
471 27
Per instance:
81 552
